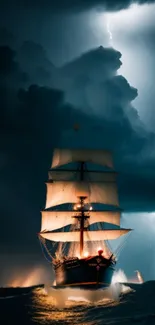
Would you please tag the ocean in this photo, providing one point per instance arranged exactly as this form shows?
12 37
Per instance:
34 305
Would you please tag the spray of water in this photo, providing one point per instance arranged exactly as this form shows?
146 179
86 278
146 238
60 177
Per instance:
120 277
61 296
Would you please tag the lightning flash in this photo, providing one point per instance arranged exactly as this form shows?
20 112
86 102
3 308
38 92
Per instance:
109 31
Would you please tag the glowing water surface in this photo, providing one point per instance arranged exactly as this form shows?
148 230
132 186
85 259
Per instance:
75 306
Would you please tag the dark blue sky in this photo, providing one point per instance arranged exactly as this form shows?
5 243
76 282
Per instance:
41 102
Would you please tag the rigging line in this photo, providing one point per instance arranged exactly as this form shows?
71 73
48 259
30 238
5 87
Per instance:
63 246
106 241
74 244
42 245
43 241
124 241
121 246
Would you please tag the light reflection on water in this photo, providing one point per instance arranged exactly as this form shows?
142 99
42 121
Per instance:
65 307
47 312
73 312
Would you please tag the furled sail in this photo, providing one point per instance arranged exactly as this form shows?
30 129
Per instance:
52 220
66 156
91 176
74 236
67 192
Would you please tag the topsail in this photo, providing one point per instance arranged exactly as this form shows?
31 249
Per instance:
66 156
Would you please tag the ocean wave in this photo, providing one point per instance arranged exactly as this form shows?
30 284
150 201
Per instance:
36 306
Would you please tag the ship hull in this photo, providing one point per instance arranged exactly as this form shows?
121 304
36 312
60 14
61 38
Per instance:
90 273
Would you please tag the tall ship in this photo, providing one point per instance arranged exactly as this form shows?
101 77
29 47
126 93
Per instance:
81 218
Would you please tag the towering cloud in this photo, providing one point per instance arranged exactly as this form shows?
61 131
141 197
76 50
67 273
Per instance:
34 118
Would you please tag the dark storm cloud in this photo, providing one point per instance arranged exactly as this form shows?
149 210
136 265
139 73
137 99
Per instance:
36 117
100 58
88 71
9 68
108 97
33 58
32 121
7 63
91 81
6 37
76 5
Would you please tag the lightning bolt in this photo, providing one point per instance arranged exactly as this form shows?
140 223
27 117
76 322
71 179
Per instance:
109 31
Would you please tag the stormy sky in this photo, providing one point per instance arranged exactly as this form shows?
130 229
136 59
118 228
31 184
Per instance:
90 63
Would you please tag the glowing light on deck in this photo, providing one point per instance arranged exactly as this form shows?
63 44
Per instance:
78 206
86 254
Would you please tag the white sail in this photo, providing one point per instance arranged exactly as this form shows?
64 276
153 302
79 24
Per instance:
65 156
74 236
59 175
91 176
67 192
112 217
52 220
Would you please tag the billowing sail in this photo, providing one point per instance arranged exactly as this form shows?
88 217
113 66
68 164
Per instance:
68 192
66 156
91 176
52 220
74 236
112 217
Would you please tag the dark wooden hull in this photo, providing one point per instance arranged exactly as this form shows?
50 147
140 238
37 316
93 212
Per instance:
93 272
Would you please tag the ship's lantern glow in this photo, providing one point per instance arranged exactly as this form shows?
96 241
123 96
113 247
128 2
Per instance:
75 207
86 254
100 252
78 205
91 208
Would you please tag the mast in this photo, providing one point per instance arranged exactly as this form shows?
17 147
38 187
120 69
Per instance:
82 219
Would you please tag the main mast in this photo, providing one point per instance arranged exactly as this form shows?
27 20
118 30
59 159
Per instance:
82 218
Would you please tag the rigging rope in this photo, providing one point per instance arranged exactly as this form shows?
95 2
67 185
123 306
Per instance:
43 244
121 246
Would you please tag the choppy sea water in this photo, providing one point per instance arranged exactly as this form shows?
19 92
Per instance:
80 307
136 305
